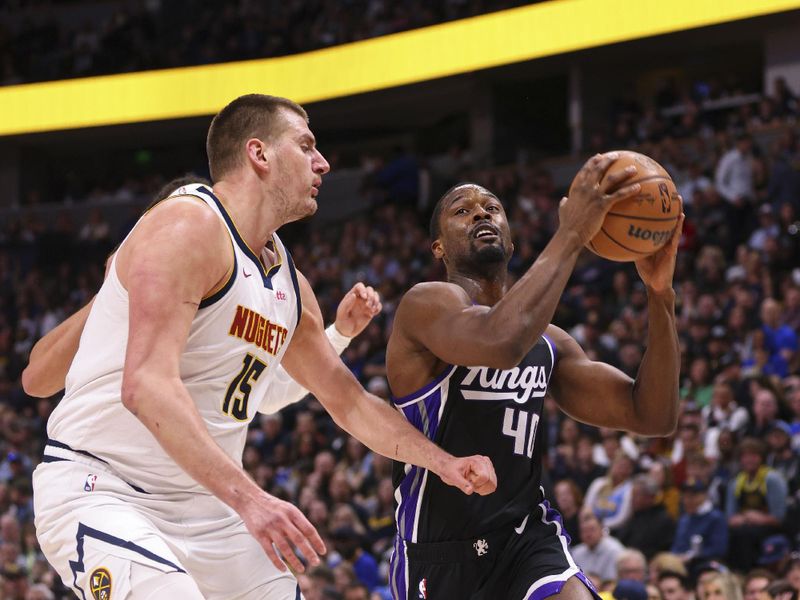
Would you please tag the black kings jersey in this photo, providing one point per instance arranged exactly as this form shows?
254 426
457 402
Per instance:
476 410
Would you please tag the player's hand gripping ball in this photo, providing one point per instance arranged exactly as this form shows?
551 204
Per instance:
639 226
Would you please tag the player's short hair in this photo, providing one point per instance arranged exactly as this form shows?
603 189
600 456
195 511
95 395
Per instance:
249 116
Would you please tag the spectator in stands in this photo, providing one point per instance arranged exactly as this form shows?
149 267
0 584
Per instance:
609 497
775 554
792 572
569 499
650 528
598 552
628 589
734 175
781 340
756 504
632 565
722 586
781 590
722 413
702 531
765 412
585 470
782 458
756 583
674 586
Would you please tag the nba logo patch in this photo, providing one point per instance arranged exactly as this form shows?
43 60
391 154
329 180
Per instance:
423 589
100 584
90 481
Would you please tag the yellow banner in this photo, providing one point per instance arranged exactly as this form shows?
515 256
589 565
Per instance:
499 38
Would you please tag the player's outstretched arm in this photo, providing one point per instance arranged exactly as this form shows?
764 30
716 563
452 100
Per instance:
312 362
52 356
355 311
440 318
179 252
599 394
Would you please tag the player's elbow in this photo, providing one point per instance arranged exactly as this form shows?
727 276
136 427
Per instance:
32 384
133 391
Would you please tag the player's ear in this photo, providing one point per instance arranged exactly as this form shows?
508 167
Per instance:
437 249
257 154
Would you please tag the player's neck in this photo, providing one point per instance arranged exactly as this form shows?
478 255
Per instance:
245 200
482 289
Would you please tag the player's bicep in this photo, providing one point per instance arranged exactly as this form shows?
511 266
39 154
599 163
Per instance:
590 391
167 266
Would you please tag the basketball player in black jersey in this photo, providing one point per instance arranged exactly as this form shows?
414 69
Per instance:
469 363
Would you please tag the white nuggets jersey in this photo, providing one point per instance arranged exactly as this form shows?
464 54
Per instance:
236 341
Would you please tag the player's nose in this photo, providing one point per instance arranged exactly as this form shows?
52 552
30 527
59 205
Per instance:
480 213
320 164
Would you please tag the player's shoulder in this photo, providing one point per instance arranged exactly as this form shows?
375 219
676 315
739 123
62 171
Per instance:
435 292
184 216
426 302
564 343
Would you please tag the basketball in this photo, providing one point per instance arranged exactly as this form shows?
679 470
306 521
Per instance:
639 226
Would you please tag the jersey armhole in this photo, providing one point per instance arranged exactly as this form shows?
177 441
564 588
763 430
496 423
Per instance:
293 273
222 288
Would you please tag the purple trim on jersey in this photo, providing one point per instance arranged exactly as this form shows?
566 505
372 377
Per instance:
406 509
547 590
551 515
398 571
553 348
411 486
426 388
580 575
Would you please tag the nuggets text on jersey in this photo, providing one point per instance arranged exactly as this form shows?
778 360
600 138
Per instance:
253 328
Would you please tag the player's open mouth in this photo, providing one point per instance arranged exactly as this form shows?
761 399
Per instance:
486 232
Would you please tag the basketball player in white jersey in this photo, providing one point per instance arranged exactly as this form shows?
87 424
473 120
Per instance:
141 493
52 355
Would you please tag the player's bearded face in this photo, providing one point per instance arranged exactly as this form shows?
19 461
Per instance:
300 167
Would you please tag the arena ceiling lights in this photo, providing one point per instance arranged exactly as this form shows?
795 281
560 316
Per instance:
491 40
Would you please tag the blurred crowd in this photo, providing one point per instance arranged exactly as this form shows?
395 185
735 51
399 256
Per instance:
157 34
712 511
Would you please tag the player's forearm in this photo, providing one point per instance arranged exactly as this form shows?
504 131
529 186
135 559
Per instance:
165 407
523 314
285 390
655 391
51 357
384 430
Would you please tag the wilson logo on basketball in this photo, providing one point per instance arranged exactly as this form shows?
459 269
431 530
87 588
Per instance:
657 237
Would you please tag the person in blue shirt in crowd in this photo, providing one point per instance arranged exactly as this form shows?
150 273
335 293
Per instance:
702 531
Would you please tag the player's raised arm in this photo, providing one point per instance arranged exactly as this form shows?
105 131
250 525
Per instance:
176 255
312 361
599 394
440 317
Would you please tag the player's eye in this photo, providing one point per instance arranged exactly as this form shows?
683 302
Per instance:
461 211
492 208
